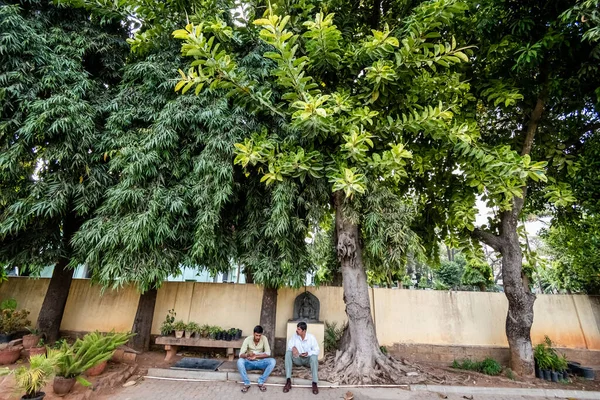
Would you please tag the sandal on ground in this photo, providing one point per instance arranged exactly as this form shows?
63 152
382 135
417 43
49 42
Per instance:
245 388
262 388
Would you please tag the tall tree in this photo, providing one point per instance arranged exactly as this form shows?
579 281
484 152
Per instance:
535 79
178 200
373 111
58 68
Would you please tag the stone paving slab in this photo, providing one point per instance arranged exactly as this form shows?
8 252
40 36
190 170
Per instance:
164 389
187 374
189 378
473 390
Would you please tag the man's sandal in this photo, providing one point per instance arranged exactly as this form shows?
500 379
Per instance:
262 388
245 388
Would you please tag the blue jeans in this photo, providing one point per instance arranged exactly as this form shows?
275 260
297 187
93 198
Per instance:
266 364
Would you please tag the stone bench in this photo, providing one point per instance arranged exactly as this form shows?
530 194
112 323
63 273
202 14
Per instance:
172 344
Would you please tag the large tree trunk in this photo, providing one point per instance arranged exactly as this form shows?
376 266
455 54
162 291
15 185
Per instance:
516 284
268 314
142 324
55 300
360 360
516 288
520 309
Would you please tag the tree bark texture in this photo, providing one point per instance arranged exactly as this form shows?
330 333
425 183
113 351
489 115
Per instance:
268 314
142 324
360 360
53 307
516 284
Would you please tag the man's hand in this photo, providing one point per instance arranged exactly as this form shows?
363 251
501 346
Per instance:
304 355
295 352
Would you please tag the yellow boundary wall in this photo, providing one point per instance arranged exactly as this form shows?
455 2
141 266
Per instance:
401 316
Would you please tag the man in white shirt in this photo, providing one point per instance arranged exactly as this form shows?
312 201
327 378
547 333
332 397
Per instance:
302 349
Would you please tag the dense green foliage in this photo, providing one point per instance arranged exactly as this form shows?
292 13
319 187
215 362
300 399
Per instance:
534 56
178 199
58 70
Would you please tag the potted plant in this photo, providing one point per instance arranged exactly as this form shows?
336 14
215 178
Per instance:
11 321
543 360
38 348
179 328
220 333
215 332
9 353
32 379
231 333
190 329
91 350
167 326
32 338
562 366
204 330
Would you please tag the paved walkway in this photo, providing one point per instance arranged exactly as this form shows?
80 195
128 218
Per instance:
164 389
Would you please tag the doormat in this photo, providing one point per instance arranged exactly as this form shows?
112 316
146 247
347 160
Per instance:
197 363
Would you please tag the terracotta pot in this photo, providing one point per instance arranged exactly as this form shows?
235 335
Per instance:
34 351
178 334
62 385
10 355
96 370
30 340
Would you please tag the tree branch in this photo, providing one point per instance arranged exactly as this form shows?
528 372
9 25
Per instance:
495 242
534 121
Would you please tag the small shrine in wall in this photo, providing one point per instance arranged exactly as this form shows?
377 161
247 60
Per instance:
307 308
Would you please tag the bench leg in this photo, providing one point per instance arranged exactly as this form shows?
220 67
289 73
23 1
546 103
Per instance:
230 353
171 351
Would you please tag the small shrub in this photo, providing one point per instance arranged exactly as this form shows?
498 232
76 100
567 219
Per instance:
333 334
384 350
510 374
466 364
489 366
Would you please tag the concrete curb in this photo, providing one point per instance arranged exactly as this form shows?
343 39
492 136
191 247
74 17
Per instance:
187 374
217 376
552 393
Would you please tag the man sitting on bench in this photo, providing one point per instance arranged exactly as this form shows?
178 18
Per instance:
255 354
